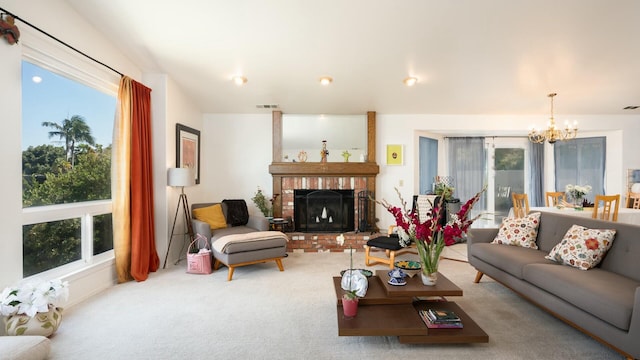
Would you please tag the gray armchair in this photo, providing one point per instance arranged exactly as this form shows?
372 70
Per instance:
255 223
242 244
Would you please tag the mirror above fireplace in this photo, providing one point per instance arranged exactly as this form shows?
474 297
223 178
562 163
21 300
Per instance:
305 133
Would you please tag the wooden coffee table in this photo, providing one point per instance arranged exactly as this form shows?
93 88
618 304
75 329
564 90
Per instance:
389 310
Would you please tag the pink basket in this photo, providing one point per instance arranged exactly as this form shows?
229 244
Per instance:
200 262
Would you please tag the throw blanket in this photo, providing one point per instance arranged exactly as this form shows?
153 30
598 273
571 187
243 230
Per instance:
221 244
237 213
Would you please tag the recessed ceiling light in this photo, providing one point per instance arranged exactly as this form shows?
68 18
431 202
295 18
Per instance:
240 80
326 80
36 79
410 81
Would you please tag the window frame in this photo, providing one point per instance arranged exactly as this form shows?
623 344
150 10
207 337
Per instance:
56 58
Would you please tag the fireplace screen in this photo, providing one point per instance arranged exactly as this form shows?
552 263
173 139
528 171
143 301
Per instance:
324 210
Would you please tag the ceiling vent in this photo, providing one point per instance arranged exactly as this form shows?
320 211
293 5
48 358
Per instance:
631 107
267 106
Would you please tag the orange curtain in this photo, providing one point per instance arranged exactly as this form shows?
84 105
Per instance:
134 236
120 175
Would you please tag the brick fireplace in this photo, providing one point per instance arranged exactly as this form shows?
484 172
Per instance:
288 177
320 210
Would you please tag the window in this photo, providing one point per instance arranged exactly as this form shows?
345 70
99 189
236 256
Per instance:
66 175
581 162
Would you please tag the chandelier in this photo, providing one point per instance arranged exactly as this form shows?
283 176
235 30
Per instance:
553 133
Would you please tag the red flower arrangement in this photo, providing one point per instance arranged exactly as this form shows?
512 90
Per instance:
430 235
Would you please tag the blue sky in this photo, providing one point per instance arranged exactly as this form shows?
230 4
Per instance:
56 98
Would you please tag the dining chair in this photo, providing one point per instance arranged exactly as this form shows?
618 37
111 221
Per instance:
633 200
609 202
553 198
520 205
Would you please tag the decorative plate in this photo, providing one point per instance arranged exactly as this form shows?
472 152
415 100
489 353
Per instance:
408 264
364 272
396 282
410 267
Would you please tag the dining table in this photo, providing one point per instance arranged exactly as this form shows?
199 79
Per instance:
625 215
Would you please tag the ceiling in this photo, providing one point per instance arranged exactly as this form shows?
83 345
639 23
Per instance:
470 56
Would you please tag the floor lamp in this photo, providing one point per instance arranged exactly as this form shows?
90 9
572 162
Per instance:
180 177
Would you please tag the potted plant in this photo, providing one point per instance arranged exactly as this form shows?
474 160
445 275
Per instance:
444 190
32 307
263 204
353 284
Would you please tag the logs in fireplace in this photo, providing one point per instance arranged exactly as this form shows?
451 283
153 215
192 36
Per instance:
324 210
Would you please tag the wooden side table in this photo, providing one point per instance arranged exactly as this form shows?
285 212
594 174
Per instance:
281 224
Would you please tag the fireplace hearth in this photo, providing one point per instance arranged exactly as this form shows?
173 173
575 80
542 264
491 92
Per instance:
324 210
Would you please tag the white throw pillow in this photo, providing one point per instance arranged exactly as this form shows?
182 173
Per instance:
582 248
519 231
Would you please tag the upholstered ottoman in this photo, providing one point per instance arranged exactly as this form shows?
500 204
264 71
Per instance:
243 249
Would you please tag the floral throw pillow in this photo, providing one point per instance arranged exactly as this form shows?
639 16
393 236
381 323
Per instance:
519 231
582 248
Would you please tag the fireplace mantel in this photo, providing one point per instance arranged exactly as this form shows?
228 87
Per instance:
324 169
287 176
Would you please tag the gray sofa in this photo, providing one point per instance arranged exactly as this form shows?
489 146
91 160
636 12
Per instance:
271 246
603 302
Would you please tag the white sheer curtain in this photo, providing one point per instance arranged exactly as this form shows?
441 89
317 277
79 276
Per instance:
467 166
581 162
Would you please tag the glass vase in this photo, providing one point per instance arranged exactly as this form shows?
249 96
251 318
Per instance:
577 203
429 279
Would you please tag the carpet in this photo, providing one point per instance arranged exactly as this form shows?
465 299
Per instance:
267 314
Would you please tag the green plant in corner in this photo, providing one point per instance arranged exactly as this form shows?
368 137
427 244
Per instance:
262 203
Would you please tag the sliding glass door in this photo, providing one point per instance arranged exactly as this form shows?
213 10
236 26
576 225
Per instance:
507 174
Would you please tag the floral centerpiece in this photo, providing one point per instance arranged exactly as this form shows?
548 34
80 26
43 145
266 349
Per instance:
431 236
577 193
34 302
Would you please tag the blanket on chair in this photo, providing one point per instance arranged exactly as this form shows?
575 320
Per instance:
221 244
237 213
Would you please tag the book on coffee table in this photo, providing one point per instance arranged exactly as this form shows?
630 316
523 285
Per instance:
442 316
424 315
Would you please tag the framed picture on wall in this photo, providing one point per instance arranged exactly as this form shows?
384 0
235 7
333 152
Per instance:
188 149
394 154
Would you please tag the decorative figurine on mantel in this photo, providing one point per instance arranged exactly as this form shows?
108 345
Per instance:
324 152
345 155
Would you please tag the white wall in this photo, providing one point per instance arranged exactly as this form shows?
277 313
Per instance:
242 144
11 163
170 107
236 155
